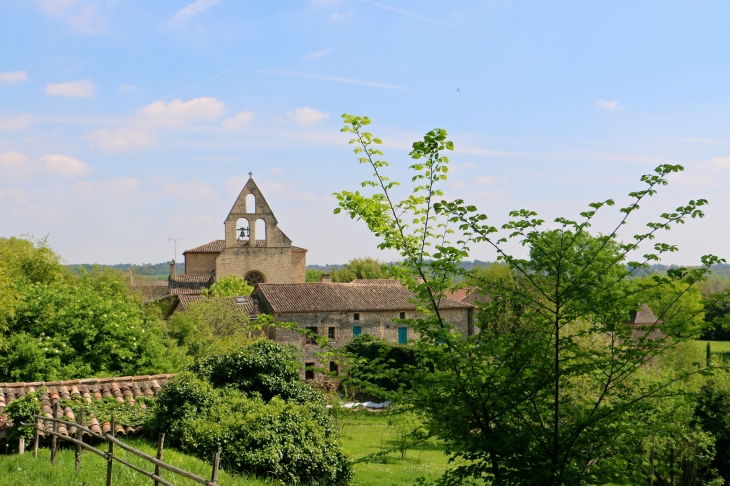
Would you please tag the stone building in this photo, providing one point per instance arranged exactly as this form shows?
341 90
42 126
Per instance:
254 248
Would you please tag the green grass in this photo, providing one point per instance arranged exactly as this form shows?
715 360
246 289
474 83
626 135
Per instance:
719 347
17 469
366 433
363 433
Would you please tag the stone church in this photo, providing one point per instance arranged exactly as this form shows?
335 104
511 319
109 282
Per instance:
254 248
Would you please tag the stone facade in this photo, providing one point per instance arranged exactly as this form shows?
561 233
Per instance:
266 257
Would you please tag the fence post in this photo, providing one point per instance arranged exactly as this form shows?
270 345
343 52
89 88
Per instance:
79 436
216 464
110 459
37 438
21 445
54 439
160 445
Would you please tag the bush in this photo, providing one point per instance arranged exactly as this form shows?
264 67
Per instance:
377 364
22 411
185 396
265 368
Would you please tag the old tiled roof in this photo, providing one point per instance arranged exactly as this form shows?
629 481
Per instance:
217 246
338 297
190 284
124 389
375 281
244 304
644 316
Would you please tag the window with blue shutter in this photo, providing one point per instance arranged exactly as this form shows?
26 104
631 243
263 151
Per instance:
356 331
402 335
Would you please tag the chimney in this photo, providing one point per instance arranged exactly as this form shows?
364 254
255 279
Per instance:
325 278
173 270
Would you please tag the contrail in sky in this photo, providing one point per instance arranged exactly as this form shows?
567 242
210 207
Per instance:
335 79
427 19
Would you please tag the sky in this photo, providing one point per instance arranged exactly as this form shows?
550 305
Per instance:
124 123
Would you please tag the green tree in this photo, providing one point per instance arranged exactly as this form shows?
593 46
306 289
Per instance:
362 268
538 401
212 325
228 286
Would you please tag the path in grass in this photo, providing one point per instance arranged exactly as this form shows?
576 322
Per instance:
367 433
16 469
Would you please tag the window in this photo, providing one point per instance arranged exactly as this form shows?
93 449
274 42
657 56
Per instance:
402 335
356 331
331 333
308 371
250 203
402 315
334 367
311 337
356 316
254 278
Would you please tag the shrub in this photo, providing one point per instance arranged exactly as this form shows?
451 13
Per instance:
265 368
185 396
377 364
22 411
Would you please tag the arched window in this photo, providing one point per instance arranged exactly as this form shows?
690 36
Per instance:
250 203
242 229
254 278
260 229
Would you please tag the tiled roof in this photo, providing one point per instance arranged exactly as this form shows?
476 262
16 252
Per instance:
190 284
375 281
217 246
338 297
124 389
245 304
644 316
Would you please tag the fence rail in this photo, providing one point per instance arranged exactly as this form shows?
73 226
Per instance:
81 429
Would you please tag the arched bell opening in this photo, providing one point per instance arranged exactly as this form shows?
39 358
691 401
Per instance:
243 229
250 203
260 230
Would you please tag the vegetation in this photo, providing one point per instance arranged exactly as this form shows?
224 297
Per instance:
228 286
562 391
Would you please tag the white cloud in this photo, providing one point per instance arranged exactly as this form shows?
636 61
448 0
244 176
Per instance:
15 165
485 181
190 11
73 89
276 170
64 165
318 54
338 18
13 196
119 139
82 16
719 162
608 105
13 77
239 120
178 112
126 87
190 190
307 115
119 186
15 123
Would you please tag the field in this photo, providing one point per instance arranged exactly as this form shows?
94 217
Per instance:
363 433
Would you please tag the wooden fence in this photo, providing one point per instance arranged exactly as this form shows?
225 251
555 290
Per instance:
109 455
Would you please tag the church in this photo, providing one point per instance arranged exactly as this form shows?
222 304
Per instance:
254 248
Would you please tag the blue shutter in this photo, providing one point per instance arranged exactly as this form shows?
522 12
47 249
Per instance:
356 331
402 335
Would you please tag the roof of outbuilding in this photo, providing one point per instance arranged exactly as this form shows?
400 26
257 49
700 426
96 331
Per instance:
339 297
125 389
217 246
244 304
643 316
375 281
190 284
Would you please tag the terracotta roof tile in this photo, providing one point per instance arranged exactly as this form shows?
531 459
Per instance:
190 284
338 297
375 281
90 389
217 246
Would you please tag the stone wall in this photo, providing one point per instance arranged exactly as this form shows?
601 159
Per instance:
298 267
275 263
200 263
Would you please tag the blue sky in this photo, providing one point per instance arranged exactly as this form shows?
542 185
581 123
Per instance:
123 123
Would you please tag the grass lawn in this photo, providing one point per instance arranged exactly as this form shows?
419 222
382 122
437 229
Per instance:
367 433
720 347
16 470
363 433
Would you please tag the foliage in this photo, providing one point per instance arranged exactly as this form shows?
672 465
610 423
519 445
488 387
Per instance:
676 301
124 413
21 411
375 364
265 368
212 325
537 399
81 327
314 275
408 429
228 286
362 268
294 442
154 271
712 414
